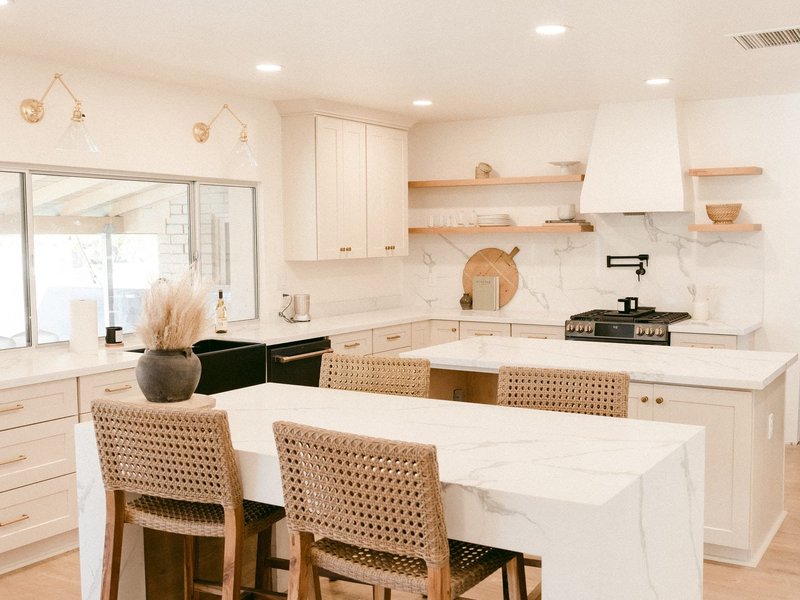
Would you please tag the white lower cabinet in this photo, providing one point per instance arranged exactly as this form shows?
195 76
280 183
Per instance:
538 332
358 343
712 340
37 468
114 385
743 437
442 331
391 340
469 329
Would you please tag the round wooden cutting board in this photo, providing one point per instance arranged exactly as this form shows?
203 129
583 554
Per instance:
493 261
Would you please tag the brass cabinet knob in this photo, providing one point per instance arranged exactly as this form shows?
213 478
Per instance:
644 399
659 400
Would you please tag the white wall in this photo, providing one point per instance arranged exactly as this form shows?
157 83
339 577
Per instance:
750 276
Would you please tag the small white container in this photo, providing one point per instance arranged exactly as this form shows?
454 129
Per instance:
566 212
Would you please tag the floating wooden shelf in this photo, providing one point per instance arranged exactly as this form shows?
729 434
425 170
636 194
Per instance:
721 171
547 228
719 227
576 178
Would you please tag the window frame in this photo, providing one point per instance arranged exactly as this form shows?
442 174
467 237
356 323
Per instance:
193 183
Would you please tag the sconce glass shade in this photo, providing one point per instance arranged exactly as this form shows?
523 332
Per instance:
243 156
76 139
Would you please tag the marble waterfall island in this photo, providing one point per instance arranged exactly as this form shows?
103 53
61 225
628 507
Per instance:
613 506
737 395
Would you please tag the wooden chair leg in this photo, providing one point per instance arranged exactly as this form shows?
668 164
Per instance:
115 523
514 579
381 593
189 566
232 553
439 583
299 568
263 579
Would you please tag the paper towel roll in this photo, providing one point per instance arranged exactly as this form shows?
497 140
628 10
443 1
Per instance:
83 326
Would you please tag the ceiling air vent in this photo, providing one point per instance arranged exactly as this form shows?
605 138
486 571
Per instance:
767 39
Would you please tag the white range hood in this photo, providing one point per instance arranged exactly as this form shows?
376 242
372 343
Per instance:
636 160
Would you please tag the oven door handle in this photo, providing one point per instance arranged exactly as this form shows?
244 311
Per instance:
296 357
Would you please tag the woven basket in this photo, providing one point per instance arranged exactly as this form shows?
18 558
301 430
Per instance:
723 213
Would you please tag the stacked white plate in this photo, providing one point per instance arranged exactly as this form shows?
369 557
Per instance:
500 220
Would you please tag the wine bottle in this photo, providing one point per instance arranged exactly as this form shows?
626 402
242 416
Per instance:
220 316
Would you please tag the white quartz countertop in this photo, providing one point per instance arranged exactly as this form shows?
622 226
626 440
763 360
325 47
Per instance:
736 369
35 365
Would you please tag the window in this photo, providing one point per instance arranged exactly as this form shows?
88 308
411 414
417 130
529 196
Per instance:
227 242
13 319
108 238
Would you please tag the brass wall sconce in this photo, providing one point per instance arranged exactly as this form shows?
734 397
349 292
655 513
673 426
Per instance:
244 155
75 137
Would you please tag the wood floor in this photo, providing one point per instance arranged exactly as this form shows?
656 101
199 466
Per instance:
777 576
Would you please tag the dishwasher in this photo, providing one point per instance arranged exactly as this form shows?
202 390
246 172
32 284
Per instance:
297 363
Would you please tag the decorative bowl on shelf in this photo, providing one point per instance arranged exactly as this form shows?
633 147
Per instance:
723 213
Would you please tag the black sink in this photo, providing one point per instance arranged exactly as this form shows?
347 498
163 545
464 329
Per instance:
228 365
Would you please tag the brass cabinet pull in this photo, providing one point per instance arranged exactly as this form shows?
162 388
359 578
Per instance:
644 399
353 345
453 329
659 400
6 409
121 388
532 336
393 337
8 461
14 520
483 333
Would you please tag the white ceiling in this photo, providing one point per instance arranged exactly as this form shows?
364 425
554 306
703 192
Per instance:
473 58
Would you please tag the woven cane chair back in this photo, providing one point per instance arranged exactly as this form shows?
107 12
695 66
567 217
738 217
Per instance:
379 374
378 494
586 392
167 452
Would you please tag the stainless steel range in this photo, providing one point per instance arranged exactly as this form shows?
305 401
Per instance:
629 325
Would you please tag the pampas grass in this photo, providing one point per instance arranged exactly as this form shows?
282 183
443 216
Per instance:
174 313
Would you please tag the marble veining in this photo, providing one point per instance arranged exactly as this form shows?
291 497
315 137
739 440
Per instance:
582 491
737 369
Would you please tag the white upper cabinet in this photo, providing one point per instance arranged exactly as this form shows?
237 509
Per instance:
636 161
387 191
345 188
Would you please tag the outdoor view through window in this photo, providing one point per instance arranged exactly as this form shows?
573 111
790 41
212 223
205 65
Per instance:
107 240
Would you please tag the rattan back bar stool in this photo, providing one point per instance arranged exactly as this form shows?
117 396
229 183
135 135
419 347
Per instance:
375 506
183 464
378 374
602 393
565 390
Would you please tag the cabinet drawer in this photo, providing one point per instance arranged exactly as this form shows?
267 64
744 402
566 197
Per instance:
442 331
391 338
39 402
703 340
35 512
36 452
541 332
111 385
470 329
357 342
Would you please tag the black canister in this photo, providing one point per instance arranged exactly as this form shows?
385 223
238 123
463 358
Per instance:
113 336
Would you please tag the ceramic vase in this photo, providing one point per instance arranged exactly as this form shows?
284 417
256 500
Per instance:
168 375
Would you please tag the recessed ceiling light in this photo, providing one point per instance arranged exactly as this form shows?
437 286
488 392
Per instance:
266 68
551 29
422 102
657 81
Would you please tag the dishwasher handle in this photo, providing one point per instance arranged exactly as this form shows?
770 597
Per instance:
304 356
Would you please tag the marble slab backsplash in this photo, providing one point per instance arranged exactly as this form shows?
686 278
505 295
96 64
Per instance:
568 272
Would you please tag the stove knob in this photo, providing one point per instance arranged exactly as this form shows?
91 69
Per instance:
570 327
579 328
650 331
659 332
589 328
639 331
